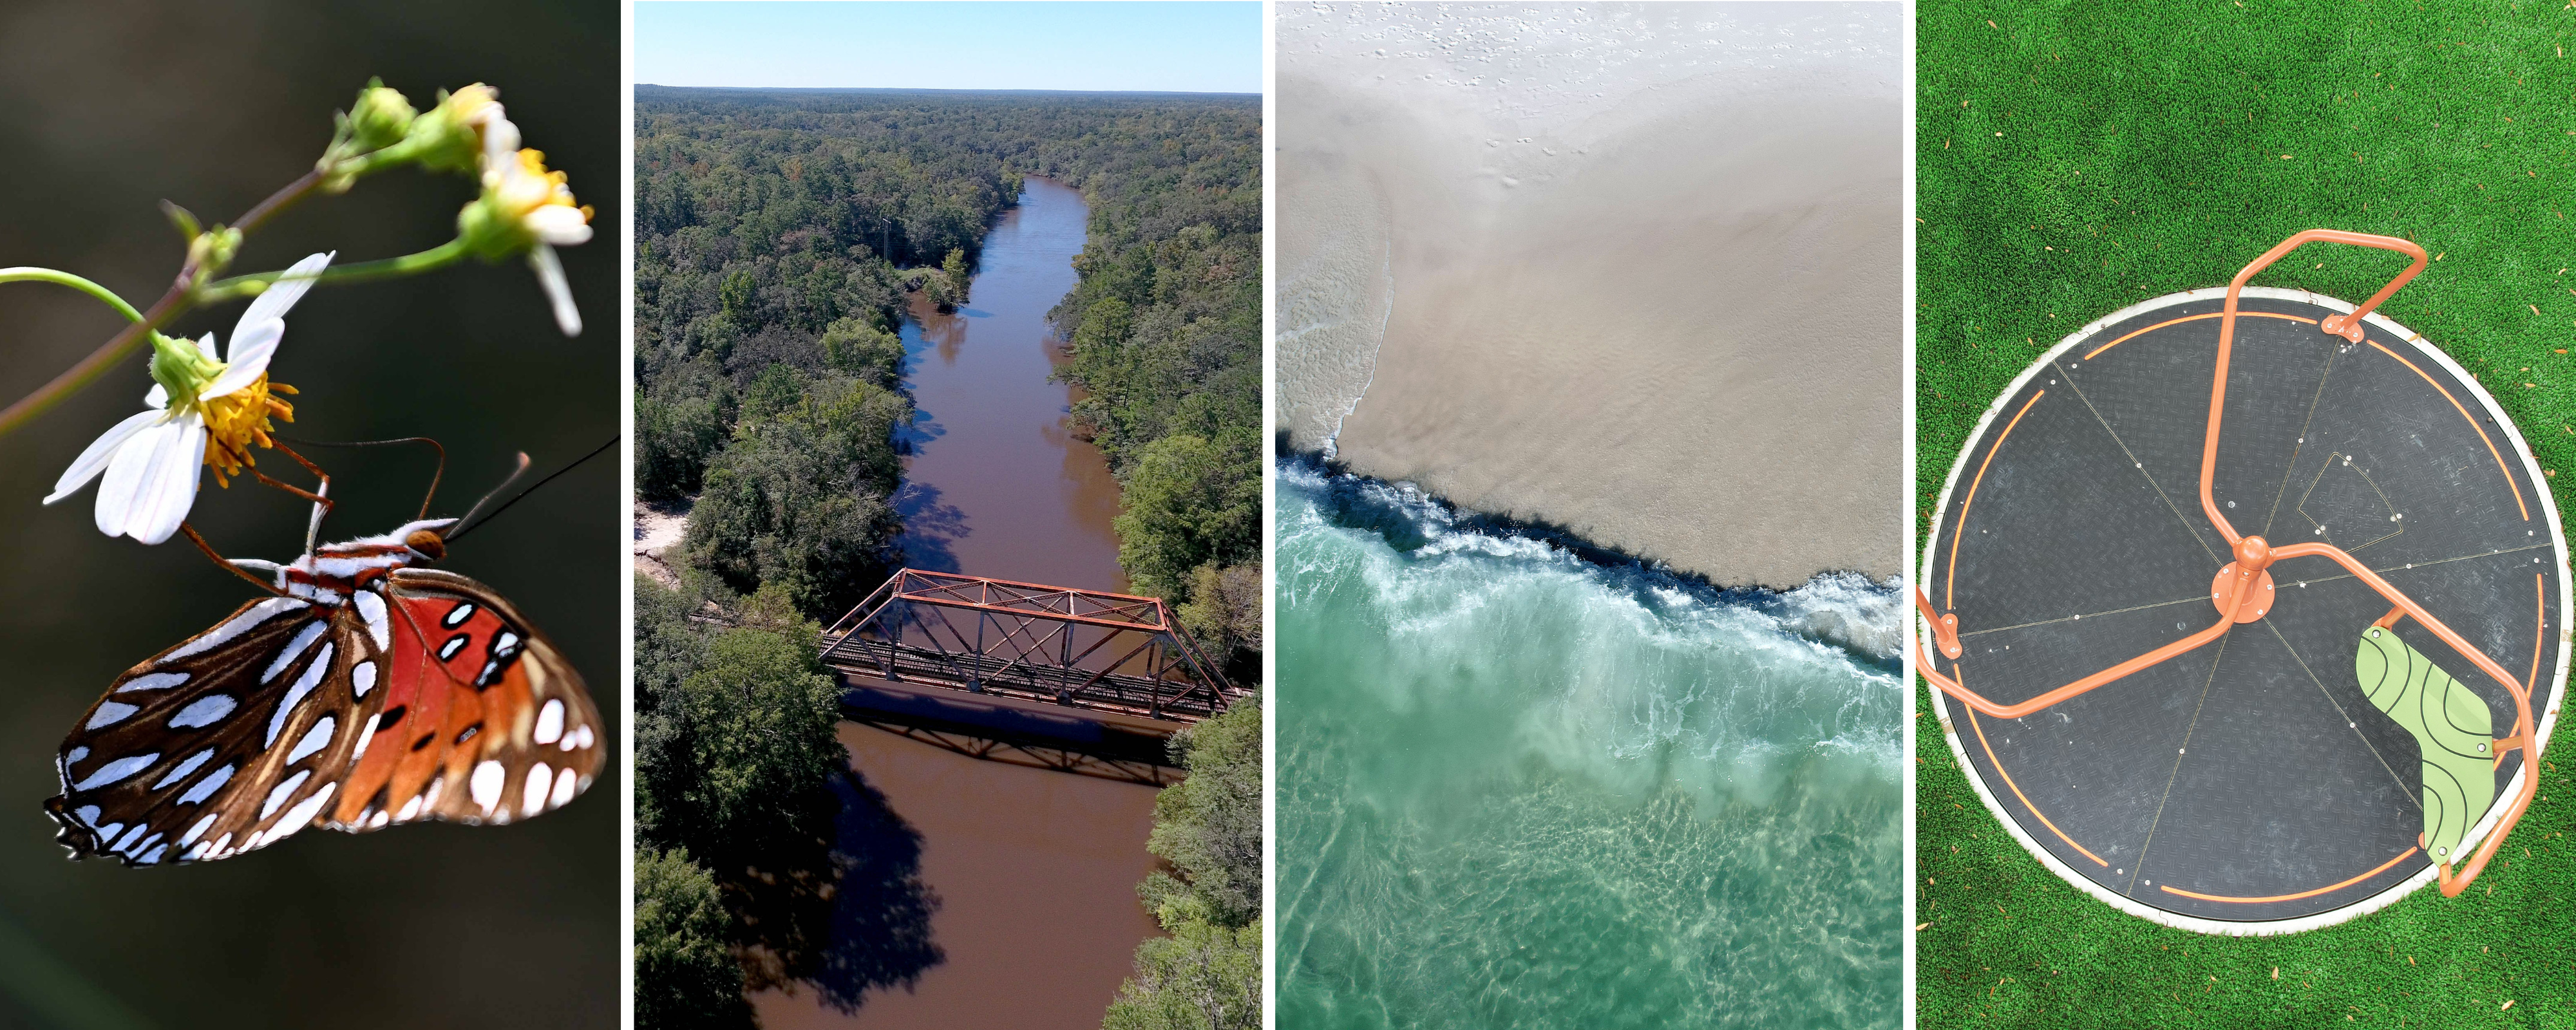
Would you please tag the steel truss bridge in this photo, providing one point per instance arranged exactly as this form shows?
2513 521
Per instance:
1076 680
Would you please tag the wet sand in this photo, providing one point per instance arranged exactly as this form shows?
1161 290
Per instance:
1643 286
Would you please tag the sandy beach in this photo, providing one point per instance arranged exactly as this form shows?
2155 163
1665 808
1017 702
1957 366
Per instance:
1631 272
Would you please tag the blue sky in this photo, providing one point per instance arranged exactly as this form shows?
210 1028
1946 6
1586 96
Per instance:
1174 45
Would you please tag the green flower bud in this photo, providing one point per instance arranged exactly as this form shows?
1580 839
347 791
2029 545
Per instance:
381 118
212 250
491 231
182 369
449 138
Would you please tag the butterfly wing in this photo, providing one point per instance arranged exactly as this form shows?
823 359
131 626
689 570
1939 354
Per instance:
483 719
230 741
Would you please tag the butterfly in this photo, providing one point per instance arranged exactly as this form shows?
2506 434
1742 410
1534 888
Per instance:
365 693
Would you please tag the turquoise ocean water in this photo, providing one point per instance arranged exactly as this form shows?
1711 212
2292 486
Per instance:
1517 788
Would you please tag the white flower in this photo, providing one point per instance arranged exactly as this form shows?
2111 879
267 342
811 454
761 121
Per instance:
538 204
202 410
524 208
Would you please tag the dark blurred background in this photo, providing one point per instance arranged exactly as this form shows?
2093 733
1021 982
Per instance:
106 108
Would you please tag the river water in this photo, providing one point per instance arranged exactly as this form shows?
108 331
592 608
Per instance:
1035 871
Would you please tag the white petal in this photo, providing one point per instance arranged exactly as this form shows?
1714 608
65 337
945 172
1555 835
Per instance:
206 346
126 472
93 459
157 397
559 225
253 345
500 140
283 293
550 275
172 487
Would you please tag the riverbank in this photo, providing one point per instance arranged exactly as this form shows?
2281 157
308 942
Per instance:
1663 313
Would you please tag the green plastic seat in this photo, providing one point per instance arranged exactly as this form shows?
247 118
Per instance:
2451 725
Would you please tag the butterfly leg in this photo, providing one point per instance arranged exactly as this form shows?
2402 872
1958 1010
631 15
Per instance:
224 563
320 495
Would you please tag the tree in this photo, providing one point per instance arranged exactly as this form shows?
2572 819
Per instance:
757 723
1185 506
863 352
954 270
685 974
1207 974
1224 615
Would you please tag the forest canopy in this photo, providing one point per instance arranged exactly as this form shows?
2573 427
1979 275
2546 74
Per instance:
781 237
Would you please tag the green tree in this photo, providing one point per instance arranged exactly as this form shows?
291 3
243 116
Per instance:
1186 505
954 270
757 723
864 352
776 389
685 973
1204 976
1207 974
799 500
1224 615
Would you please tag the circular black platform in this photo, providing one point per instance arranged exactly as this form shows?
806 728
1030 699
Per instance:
2249 786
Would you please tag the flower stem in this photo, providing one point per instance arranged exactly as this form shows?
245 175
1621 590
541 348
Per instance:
437 257
176 300
29 274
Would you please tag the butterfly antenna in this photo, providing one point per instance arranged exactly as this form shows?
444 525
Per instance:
436 474
468 523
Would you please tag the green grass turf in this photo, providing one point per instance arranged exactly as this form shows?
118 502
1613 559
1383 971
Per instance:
2075 158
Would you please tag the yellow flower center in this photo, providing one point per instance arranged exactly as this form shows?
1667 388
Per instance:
534 187
239 421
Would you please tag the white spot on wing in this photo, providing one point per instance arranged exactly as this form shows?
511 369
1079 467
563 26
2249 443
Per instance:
117 770
152 857
565 784
584 734
184 768
153 681
200 829
362 678
282 792
540 780
207 787
109 713
486 785
372 609
410 809
550 721
131 837
365 736
76 754
300 816
294 649
203 712
240 624
88 814
315 739
295 695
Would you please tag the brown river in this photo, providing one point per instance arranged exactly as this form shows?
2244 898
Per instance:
1034 871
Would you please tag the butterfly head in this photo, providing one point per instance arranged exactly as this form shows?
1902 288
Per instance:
426 538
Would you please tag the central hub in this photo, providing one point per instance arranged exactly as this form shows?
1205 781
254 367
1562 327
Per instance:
2242 589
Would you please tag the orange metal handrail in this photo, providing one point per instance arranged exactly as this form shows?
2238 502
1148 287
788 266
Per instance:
2253 554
